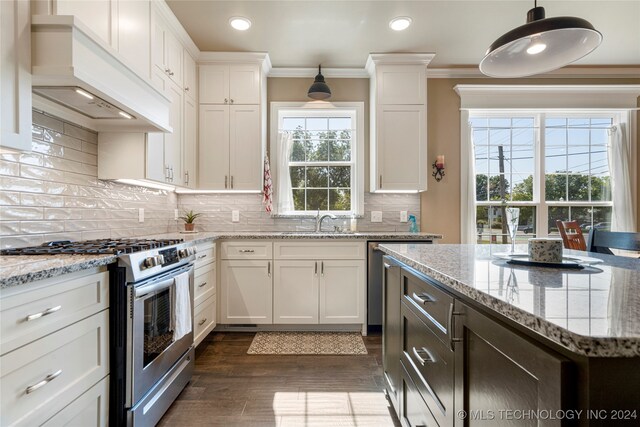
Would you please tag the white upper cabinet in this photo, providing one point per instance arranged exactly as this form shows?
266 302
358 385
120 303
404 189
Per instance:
189 75
245 150
134 21
398 135
166 50
230 84
213 150
95 14
189 143
15 75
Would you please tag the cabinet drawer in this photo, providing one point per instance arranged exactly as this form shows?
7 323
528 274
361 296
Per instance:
204 319
41 310
40 379
432 305
205 255
205 284
247 250
430 365
319 250
89 410
413 411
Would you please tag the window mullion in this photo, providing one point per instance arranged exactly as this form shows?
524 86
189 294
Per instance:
542 212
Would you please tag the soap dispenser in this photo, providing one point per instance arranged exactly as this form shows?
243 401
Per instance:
413 226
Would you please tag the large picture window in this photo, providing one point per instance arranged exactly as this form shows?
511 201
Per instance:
551 166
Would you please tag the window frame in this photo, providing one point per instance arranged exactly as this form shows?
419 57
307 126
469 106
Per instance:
278 110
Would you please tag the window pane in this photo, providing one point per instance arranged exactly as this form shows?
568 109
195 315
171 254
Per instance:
494 158
292 123
339 123
298 200
522 187
599 136
317 150
489 225
340 176
555 187
521 160
339 200
555 137
499 137
578 160
500 122
297 151
297 176
578 187
482 187
317 199
523 136
523 122
602 218
482 163
317 123
340 150
557 213
498 187
601 188
555 159
317 176
582 215
579 136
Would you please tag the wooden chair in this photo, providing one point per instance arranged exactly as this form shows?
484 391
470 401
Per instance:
572 237
603 241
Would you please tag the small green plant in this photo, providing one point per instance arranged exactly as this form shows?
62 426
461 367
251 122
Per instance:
189 217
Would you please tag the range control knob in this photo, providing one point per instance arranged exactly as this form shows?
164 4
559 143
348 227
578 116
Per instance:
183 253
149 262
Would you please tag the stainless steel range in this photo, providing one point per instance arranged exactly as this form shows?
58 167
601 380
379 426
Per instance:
151 330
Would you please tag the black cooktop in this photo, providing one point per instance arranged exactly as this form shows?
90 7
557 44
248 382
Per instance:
93 247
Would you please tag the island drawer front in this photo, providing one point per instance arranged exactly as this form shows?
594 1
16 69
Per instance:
414 412
204 284
40 379
89 410
247 249
205 254
204 319
432 305
50 307
319 250
430 364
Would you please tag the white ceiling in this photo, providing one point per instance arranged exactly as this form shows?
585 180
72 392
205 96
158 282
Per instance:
341 34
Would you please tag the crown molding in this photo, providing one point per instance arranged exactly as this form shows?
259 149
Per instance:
262 57
575 72
336 73
163 9
397 59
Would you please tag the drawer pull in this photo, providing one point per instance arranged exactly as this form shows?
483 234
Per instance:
200 323
246 251
202 256
202 285
423 298
427 355
45 381
46 312
269 268
450 327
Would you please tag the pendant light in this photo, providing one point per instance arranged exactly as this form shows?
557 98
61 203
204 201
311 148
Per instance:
540 45
319 89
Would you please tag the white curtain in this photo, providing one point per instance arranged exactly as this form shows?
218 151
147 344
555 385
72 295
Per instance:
622 217
284 194
468 231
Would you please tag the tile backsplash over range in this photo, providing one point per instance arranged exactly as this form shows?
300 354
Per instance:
53 193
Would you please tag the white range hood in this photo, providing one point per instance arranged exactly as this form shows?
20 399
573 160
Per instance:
79 78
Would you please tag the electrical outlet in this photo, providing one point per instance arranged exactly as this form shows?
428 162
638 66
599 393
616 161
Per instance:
141 215
175 214
403 216
376 216
235 216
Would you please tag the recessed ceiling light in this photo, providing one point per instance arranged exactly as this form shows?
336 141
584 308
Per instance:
400 23
240 23
83 93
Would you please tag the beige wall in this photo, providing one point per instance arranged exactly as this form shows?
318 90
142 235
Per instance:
440 205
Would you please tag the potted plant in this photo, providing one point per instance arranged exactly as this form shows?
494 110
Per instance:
189 219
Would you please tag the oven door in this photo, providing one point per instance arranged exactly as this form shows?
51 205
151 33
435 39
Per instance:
152 350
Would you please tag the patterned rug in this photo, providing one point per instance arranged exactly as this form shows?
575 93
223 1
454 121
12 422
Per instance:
307 343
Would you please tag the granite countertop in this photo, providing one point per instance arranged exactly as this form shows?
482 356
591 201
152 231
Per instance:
593 312
21 269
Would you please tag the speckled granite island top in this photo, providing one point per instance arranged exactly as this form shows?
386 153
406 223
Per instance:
593 312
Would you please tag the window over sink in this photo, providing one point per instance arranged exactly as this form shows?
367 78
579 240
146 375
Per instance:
317 158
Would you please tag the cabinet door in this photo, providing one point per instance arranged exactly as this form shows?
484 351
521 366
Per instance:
158 30
15 75
134 24
497 370
189 75
245 157
401 84
246 292
89 410
295 292
391 291
401 148
213 147
189 143
244 84
173 141
214 84
173 55
95 14
342 291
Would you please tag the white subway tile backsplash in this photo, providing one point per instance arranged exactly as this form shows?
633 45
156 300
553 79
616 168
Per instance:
40 227
9 198
31 199
47 121
20 212
89 147
9 168
80 133
37 172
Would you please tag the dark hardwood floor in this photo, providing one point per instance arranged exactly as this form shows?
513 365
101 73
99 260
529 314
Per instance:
232 388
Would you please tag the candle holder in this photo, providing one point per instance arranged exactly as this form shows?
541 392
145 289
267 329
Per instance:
438 167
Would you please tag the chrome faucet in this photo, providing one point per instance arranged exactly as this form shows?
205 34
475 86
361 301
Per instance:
319 220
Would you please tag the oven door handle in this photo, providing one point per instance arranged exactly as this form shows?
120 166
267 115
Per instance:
158 286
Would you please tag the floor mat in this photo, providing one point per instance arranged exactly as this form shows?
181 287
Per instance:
307 343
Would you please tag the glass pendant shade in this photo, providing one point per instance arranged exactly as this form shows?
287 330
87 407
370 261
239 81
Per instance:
319 89
540 45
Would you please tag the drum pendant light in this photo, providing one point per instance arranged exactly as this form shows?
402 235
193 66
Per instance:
319 89
540 45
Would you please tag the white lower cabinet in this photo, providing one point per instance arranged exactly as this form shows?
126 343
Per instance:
295 292
90 409
342 291
204 319
204 298
246 292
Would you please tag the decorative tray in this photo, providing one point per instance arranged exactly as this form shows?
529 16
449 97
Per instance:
575 262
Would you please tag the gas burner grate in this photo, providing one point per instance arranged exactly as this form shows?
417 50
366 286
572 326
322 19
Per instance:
93 247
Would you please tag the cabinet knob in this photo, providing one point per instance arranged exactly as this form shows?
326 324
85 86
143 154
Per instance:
186 89
232 101
226 100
